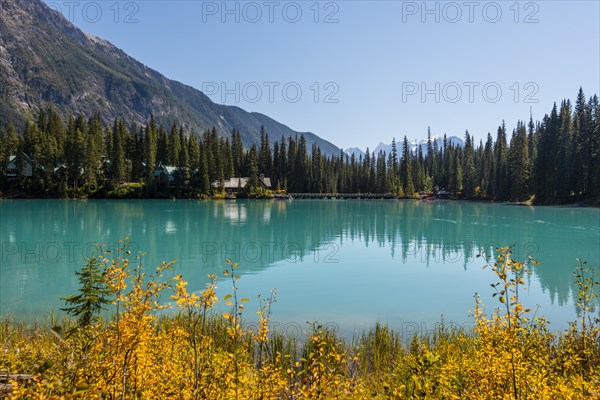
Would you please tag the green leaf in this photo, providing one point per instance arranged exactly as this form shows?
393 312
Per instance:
227 297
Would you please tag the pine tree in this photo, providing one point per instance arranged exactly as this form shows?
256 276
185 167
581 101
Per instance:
301 166
518 157
564 154
150 148
468 167
445 163
283 165
541 172
204 175
237 150
500 154
93 149
136 153
117 157
582 145
93 294
174 147
291 171
253 176
74 155
430 153
408 186
381 171
316 170
265 160
456 172
557 159
489 171
162 156
394 168
532 145
419 170
371 183
183 163
436 164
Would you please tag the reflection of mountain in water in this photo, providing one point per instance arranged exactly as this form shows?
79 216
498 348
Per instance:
260 234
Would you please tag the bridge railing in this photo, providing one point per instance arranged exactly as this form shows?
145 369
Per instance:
342 196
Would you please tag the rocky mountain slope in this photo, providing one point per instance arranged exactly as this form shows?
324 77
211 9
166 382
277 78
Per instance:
44 59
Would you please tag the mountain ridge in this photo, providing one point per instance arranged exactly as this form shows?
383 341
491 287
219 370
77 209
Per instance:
414 146
46 60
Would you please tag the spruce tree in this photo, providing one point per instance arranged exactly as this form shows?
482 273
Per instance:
117 157
532 145
500 154
394 168
93 294
253 176
183 163
204 175
519 164
174 147
468 167
489 177
150 148
564 154
406 169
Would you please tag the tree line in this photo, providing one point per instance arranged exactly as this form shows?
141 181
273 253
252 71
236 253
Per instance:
556 159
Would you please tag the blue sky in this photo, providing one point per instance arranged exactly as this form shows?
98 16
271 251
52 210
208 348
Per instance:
360 72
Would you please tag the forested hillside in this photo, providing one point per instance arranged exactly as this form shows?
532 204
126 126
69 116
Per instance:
556 159
47 61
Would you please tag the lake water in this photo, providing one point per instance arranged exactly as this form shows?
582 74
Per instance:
346 263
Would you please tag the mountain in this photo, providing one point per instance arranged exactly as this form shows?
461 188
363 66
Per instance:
387 148
414 146
354 150
46 60
452 140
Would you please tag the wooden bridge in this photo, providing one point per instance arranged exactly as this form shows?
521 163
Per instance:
342 196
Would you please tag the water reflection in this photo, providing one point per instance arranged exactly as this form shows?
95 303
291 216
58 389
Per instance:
44 242
234 213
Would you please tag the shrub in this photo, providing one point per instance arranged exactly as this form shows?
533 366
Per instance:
127 191
192 352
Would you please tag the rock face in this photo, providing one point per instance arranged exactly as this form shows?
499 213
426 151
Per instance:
44 59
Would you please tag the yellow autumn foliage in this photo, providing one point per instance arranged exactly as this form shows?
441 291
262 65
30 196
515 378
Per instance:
192 352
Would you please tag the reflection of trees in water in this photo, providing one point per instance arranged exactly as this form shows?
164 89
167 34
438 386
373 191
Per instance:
201 235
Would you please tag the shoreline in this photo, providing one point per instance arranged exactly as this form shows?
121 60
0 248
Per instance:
377 197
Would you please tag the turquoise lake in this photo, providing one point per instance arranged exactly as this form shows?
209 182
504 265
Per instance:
345 263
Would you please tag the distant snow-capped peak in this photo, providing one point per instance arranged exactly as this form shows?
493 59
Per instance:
414 146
